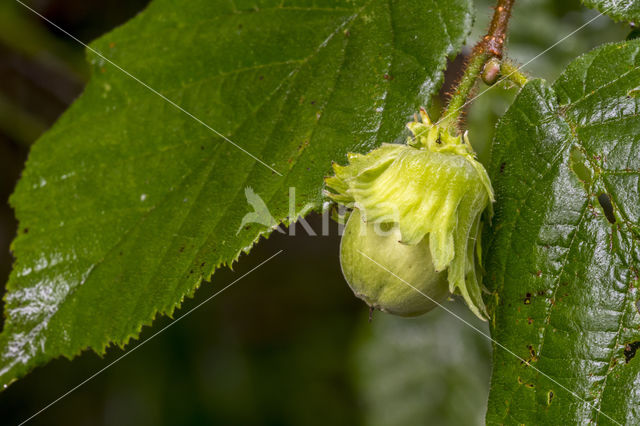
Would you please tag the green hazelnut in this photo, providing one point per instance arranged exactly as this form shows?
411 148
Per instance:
433 192
365 243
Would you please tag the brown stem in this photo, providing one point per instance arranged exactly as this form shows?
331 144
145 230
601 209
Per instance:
493 42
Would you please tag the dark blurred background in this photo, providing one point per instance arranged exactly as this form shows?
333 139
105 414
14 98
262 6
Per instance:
288 344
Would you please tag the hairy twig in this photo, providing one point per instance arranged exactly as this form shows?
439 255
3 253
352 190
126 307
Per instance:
491 46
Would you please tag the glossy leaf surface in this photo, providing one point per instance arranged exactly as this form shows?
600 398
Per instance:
127 204
619 10
565 258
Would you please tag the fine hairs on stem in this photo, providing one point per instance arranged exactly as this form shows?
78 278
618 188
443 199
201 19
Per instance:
491 46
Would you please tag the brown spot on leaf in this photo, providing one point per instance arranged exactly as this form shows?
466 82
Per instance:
607 207
630 350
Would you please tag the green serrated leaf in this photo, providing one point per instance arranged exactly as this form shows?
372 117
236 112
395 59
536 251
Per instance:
619 10
127 204
565 256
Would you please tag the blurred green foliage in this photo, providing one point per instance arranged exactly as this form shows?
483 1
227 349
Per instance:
430 370
288 344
